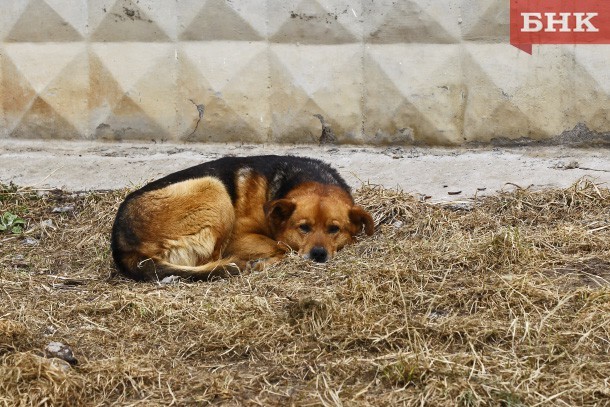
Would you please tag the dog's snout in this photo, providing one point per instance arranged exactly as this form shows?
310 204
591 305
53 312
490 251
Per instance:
318 254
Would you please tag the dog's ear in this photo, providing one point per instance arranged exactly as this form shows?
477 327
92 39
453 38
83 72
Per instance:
360 218
277 212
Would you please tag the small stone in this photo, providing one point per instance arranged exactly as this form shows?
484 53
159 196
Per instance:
569 166
438 313
49 330
48 223
460 206
60 351
170 280
59 364
30 241
63 209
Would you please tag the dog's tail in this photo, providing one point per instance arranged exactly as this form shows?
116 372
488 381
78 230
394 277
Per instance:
151 269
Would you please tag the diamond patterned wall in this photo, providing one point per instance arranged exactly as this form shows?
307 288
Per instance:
379 72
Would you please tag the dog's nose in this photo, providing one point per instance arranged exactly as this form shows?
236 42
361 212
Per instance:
318 254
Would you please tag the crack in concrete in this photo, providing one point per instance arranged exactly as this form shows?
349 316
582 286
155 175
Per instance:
327 136
200 111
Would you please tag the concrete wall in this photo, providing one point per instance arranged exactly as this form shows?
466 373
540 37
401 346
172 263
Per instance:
423 71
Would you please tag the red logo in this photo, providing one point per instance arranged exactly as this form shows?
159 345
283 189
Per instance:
559 22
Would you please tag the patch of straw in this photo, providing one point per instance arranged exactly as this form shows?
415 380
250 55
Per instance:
504 301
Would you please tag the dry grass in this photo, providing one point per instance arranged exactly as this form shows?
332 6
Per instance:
504 303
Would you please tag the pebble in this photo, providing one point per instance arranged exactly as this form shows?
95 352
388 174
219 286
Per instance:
49 330
30 241
48 223
60 365
60 351
170 280
63 209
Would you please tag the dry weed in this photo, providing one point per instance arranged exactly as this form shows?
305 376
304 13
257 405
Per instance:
505 301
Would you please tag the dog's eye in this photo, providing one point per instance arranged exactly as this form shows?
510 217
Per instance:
305 228
332 229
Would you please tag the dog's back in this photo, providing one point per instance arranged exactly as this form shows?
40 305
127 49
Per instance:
282 172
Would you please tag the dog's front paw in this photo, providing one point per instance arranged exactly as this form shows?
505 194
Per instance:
255 265
261 264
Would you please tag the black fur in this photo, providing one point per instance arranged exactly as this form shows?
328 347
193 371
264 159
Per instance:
283 173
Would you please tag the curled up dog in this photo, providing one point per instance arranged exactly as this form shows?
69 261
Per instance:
220 217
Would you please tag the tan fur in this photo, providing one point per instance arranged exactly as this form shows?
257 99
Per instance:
251 238
192 223
193 229
319 206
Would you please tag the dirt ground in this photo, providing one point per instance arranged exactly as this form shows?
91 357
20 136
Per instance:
441 174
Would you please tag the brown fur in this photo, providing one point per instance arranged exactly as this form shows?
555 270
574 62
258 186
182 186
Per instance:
193 229
320 207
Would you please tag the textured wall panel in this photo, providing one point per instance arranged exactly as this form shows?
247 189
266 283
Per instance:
212 79
135 100
591 86
314 22
46 21
310 80
45 89
132 20
411 21
535 92
413 92
218 20
484 21
381 72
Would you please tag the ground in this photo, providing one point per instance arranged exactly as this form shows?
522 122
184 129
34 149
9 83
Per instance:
503 300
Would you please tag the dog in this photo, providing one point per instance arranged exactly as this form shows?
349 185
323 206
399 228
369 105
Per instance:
221 217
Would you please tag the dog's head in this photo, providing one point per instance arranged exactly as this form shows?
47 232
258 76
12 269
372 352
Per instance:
317 220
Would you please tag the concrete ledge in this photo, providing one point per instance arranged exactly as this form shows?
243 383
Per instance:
432 171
